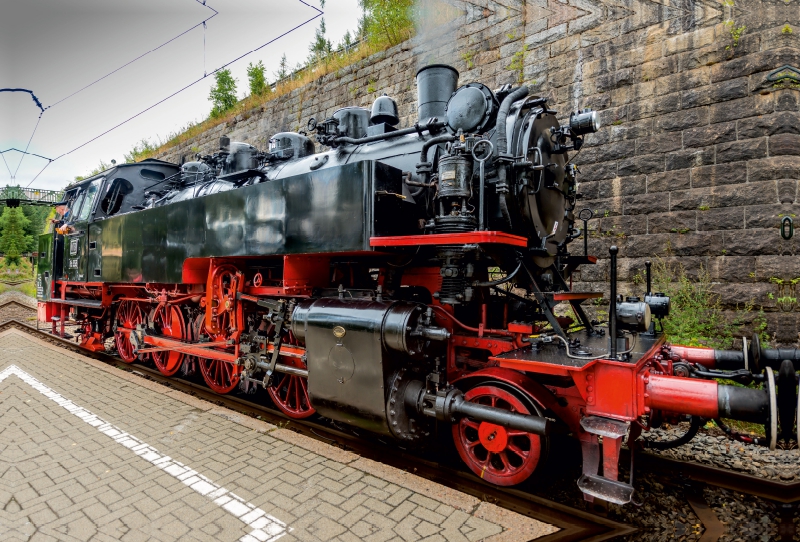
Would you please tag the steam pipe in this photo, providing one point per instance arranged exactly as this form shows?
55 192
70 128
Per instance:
500 281
423 154
502 117
731 360
416 129
502 149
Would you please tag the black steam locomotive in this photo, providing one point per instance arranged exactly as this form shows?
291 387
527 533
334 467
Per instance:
403 278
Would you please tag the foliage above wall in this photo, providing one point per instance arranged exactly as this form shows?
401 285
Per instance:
383 24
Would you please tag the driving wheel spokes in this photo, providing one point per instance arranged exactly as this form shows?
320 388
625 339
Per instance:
290 392
222 377
501 456
169 322
129 315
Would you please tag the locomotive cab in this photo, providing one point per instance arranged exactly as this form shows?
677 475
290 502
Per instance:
72 250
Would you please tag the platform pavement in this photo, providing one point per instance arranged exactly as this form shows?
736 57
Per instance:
89 452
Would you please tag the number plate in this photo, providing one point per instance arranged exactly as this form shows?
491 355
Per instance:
73 247
73 263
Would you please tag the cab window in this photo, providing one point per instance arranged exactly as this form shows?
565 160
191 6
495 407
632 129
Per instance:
71 213
89 198
115 193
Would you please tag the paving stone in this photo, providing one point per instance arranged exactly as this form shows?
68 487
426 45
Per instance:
71 481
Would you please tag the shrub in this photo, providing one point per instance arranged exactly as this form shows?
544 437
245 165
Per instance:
257 79
223 93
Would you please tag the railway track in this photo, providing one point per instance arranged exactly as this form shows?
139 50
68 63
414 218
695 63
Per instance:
574 524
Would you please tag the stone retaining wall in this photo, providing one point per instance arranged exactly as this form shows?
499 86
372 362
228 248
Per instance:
699 154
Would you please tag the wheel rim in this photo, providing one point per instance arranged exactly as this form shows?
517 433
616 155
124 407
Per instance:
220 376
128 317
169 322
290 392
501 456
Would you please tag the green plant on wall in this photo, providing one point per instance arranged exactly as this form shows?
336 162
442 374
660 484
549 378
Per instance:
697 317
518 63
736 34
787 296
786 29
469 57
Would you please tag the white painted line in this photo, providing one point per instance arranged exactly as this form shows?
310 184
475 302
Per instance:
266 528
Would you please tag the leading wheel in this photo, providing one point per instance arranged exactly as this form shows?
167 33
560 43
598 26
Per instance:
220 376
290 392
504 457
169 322
129 315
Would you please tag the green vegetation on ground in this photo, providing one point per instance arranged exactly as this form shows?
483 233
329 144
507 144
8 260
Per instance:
697 317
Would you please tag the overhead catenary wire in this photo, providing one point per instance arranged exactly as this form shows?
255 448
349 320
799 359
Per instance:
184 88
40 172
203 23
319 14
6 163
43 109
25 152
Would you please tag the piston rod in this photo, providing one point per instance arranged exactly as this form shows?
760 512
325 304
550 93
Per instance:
282 368
450 405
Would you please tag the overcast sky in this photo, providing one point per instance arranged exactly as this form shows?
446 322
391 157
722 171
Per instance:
56 47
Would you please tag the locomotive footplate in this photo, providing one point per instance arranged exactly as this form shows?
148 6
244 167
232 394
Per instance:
584 348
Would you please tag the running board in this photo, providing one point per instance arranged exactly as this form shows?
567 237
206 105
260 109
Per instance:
603 488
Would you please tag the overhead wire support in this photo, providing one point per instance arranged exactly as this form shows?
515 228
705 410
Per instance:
35 99
25 152
205 74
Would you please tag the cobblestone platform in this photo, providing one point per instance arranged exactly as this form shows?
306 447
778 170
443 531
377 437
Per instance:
89 452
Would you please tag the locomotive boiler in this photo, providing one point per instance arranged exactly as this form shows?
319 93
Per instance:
403 280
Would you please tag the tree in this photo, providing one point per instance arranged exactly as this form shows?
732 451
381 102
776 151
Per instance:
257 79
283 69
37 218
347 41
387 21
321 47
13 240
223 93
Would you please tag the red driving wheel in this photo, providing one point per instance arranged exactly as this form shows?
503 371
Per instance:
129 315
504 457
169 322
222 377
290 392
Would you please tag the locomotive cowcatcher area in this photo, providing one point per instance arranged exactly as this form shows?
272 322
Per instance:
93 453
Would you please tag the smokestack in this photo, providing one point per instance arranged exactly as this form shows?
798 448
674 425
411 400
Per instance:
435 84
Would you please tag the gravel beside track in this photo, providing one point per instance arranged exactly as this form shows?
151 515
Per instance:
712 448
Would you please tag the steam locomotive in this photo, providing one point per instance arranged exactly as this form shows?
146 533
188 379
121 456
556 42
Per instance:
404 280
